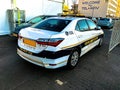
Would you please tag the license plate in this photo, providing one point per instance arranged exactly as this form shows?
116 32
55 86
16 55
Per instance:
14 34
29 42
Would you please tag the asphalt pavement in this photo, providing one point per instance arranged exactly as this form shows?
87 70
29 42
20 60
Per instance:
97 70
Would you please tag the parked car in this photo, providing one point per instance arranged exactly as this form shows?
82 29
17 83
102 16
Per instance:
57 42
30 23
105 22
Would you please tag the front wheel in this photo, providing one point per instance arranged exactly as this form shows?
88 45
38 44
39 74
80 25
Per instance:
73 59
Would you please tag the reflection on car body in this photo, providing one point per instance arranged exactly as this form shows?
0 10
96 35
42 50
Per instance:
57 42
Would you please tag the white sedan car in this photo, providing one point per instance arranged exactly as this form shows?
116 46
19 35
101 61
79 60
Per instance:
58 41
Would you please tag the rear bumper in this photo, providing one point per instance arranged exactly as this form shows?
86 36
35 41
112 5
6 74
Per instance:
44 62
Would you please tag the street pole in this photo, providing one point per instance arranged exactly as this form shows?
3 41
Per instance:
93 12
74 2
63 5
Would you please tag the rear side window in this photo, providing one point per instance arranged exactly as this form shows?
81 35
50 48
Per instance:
82 25
91 24
35 20
52 24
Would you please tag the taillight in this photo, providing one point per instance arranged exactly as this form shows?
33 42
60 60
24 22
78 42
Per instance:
50 42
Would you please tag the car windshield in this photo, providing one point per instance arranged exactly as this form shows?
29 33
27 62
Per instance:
35 20
52 24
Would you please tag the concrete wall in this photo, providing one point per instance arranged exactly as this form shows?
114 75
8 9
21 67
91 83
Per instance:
4 26
39 7
32 8
95 8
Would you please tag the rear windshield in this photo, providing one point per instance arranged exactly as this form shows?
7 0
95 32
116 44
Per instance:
52 24
35 20
105 19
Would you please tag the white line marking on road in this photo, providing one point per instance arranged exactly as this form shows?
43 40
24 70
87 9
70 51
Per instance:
59 82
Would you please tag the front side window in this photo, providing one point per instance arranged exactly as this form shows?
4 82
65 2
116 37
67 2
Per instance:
91 24
52 24
82 25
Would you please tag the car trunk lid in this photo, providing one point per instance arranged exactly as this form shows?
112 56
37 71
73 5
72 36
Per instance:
32 37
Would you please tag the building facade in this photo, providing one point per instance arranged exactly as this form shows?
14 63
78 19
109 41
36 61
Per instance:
118 10
99 8
112 8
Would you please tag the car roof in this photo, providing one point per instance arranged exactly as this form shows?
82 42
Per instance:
68 18
105 18
43 16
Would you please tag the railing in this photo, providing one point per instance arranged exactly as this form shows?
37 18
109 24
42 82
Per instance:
115 37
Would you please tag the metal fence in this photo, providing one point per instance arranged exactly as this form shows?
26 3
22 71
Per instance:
115 37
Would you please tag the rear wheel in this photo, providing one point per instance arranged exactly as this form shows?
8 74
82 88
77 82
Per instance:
73 59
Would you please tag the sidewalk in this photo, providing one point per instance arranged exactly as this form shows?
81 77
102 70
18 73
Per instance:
114 60
115 54
116 50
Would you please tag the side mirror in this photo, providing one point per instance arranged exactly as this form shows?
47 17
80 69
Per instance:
98 27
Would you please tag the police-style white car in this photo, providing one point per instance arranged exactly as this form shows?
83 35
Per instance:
58 41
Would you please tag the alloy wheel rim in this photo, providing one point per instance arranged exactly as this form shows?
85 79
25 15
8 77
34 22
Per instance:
74 58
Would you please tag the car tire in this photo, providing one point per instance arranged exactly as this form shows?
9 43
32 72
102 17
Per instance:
100 42
73 59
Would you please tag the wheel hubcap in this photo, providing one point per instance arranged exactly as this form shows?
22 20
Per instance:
74 58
